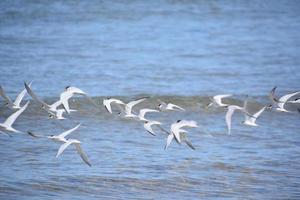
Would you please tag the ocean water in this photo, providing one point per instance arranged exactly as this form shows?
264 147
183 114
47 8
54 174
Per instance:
177 51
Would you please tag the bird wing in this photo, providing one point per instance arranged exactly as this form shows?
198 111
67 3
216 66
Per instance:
33 95
172 106
228 117
55 105
63 147
64 134
129 105
12 118
257 114
21 96
147 126
169 140
3 94
146 110
34 135
186 140
187 123
82 154
106 103
284 98
272 95
218 98
64 98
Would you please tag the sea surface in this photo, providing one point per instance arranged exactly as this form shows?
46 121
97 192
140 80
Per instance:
178 51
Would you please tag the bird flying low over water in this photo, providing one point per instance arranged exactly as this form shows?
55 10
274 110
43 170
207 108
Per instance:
49 108
7 124
178 133
216 101
148 126
13 104
250 120
107 103
168 106
280 103
142 113
128 112
68 93
61 138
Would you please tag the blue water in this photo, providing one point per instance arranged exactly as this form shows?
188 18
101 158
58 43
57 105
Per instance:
179 51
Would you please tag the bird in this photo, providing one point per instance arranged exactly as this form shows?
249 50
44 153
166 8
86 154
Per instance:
7 124
107 103
77 143
128 112
61 138
176 132
168 106
13 104
280 103
49 108
141 115
176 127
148 126
183 137
230 110
70 92
250 120
217 100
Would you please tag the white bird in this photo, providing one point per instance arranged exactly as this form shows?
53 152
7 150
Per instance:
148 126
128 112
168 106
107 103
143 112
62 137
78 148
70 92
229 113
7 124
280 103
250 120
45 106
17 103
217 100
176 127
183 137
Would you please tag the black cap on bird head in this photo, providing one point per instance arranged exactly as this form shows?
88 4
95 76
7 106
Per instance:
67 87
178 121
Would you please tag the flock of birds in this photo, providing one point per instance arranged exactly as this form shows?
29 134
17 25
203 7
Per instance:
177 130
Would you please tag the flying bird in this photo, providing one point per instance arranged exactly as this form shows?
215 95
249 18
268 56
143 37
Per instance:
217 100
107 103
13 104
148 126
168 106
280 103
7 124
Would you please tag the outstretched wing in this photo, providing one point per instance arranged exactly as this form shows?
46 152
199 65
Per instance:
33 95
12 118
3 94
82 154
63 147
64 134
129 105
21 96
